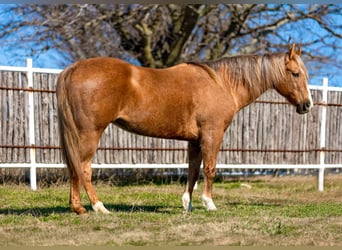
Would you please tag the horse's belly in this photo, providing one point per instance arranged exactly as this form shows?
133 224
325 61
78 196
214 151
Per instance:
159 129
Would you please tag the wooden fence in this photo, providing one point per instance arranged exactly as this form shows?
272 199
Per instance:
267 134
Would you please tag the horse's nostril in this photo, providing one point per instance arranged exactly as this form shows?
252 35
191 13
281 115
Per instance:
304 107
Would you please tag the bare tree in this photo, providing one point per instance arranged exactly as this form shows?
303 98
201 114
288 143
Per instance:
164 35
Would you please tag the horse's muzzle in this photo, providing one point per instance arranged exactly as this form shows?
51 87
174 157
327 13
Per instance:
303 108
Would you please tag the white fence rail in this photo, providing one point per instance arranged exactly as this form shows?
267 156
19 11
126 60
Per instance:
32 165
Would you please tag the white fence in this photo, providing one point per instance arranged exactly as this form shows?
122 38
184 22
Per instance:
32 165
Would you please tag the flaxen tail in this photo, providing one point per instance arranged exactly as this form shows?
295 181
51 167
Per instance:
68 131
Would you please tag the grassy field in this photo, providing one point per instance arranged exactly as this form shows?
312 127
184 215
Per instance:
286 211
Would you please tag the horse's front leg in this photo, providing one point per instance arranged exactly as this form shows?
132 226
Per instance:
210 146
195 159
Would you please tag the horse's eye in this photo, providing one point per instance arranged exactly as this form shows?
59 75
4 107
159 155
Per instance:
295 74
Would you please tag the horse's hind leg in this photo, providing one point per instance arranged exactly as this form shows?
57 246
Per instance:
75 198
89 142
96 204
195 159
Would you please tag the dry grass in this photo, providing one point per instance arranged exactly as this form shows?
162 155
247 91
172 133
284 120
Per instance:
287 211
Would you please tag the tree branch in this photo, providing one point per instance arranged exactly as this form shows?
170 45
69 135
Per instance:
182 33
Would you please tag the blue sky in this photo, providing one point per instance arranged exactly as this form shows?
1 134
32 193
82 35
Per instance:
12 56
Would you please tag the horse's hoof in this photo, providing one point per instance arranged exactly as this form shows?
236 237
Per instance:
79 210
208 203
99 207
189 209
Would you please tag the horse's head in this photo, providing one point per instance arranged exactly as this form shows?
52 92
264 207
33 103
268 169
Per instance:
295 84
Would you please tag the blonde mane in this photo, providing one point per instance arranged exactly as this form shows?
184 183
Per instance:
257 73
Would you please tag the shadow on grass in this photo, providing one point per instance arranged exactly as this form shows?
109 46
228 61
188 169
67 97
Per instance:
254 204
47 211
141 208
35 211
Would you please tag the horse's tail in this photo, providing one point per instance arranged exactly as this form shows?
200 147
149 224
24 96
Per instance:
68 131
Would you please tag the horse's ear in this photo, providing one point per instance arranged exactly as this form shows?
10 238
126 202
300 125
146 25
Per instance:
292 51
299 51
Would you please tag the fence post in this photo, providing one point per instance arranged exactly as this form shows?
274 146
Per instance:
33 177
322 138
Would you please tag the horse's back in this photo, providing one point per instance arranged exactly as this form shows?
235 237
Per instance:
101 69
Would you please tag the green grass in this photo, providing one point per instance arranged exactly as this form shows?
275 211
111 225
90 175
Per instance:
273 212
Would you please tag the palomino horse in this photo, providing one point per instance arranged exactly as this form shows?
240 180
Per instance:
195 102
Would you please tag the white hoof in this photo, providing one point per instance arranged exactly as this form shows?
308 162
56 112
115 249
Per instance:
99 207
186 202
208 203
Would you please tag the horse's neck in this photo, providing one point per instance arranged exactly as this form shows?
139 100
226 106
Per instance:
249 78
243 96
